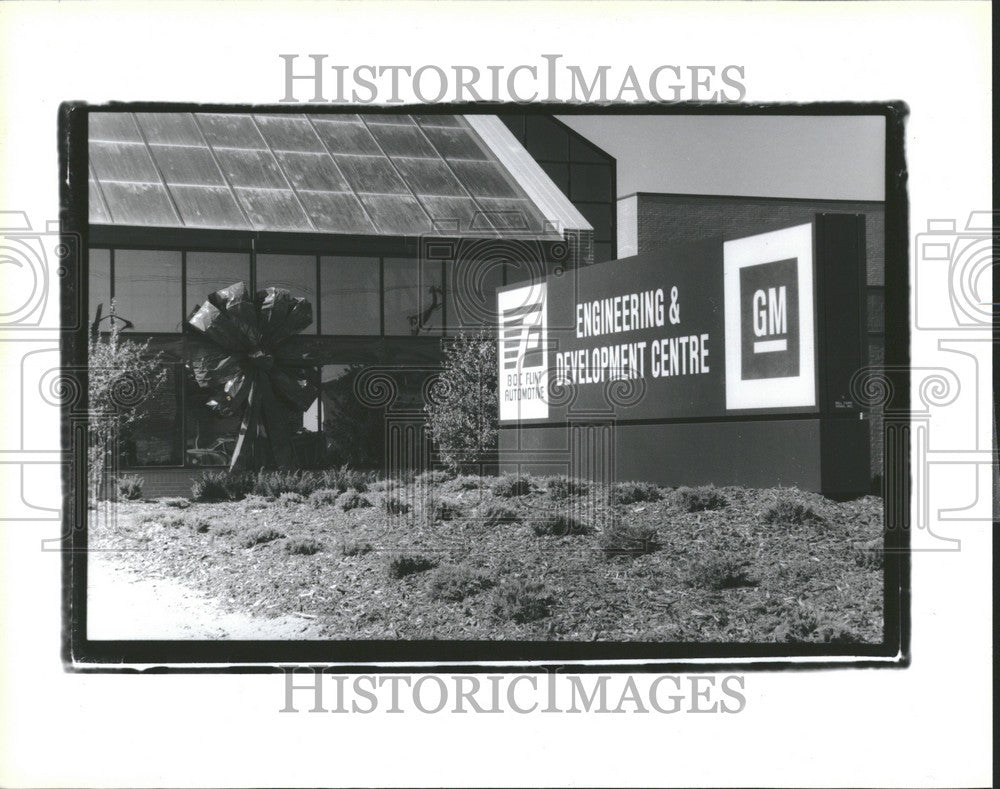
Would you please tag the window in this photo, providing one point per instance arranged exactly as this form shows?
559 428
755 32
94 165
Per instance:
210 438
414 297
99 279
349 296
354 430
148 289
155 440
294 273
471 294
207 272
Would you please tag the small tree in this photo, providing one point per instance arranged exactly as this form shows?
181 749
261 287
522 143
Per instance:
122 374
462 413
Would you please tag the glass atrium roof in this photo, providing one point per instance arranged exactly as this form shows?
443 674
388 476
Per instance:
382 175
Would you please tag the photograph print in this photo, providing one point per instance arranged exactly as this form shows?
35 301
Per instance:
558 384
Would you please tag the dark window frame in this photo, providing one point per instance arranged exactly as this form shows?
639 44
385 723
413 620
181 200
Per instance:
182 398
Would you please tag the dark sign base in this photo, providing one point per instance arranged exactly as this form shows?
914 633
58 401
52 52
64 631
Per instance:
808 453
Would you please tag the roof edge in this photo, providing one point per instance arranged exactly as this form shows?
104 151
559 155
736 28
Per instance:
541 190
717 195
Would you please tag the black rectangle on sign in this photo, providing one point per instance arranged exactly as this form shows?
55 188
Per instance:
769 314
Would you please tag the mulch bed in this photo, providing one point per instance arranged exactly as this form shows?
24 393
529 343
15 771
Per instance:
808 581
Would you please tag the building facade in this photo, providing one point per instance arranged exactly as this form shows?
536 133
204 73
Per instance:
396 228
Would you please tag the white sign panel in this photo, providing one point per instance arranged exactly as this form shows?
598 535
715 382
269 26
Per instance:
521 353
770 334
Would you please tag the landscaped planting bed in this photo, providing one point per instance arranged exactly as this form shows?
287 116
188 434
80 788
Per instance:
526 558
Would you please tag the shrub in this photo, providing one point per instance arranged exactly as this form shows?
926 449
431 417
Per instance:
324 497
720 570
347 547
220 486
870 555
352 500
558 524
394 505
807 624
699 499
494 513
433 477
634 492
620 539
409 564
344 478
303 547
130 487
272 484
176 503
123 376
462 411
453 583
291 499
564 487
172 521
520 601
210 487
260 535
511 485
794 513
442 511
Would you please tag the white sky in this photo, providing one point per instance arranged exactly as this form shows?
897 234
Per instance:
831 157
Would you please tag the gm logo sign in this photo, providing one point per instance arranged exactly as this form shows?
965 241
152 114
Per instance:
770 320
769 313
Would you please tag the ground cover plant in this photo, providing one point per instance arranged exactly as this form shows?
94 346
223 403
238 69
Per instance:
409 564
715 564
236 485
558 524
130 487
702 498
520 601
634 492
628 539
453 583
352 500
564 487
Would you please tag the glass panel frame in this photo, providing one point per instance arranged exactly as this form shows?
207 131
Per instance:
207 272
350 295
143 280
414 301
298 274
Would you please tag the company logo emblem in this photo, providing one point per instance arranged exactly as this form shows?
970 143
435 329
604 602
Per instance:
769 320
770 334
522 336
522 353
